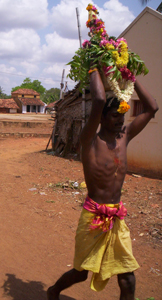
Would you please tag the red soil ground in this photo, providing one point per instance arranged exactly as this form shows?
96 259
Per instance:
38 221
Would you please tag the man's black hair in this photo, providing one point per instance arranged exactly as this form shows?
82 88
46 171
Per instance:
110 103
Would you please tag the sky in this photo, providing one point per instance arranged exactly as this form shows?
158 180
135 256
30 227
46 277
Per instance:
39 38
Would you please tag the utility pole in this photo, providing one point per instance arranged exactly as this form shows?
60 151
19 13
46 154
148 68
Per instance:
80 38
62 84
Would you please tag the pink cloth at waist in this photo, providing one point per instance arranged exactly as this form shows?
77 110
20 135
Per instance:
105 214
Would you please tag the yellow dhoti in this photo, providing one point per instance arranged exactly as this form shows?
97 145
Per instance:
104 253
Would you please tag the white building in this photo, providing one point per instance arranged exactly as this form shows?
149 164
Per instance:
28 101
144 37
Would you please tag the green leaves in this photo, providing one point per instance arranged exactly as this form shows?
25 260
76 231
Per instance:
28 84
152 298
136 65
117 74
96 56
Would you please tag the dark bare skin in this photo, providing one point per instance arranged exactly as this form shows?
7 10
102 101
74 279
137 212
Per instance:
103 176
105 163
98 150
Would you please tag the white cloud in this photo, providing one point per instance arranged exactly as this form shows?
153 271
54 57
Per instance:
5 69
30 68
6 78
64 19
116 17
38 43
59 49
61 45
55 69
19 43
23 13
116 6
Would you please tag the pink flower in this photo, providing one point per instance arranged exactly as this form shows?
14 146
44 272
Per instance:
114 43
119 40
103 42
94 8
99 22
86 43
104 33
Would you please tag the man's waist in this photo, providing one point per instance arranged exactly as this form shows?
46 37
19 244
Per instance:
104 199
105 214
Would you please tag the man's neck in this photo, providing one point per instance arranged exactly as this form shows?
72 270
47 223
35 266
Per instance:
107 136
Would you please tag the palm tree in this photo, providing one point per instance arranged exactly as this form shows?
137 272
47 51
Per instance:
1 92
144 1
160 8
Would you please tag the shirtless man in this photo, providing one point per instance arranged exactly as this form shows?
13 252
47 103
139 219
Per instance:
104 176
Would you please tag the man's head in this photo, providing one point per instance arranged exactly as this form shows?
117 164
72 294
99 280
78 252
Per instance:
111 102
111 119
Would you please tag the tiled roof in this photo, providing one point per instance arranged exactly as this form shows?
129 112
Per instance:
25 92
51 105
8 103
31 101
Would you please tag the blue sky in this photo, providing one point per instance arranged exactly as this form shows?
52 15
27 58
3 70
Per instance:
38 41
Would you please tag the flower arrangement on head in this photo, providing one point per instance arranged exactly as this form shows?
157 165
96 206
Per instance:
117 65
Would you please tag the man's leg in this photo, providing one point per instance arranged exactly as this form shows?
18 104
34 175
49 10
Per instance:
65 281
127 286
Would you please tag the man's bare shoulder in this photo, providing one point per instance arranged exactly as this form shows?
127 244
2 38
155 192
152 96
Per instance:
98 146
87 142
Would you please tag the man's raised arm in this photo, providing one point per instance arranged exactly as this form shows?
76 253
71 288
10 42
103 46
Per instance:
150 108
98 102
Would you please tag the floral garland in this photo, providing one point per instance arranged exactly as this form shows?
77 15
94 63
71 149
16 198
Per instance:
122 95
111 57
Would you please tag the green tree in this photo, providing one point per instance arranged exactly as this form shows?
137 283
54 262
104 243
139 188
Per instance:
27 81
16 88
3 95
1 92
37 86
34 85
46 96
51 95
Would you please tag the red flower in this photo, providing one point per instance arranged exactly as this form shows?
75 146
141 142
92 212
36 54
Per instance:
107 69
127 74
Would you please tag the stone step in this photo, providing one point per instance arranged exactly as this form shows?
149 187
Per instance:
23 134
23 124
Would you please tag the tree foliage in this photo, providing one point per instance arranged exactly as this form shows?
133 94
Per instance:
28 84
144 1
46 96
3 95
51 95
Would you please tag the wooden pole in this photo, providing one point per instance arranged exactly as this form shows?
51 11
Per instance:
53 135
62 84
49 141
83 91
80 38
83 108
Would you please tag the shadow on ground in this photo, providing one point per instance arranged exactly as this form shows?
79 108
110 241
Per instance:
29 290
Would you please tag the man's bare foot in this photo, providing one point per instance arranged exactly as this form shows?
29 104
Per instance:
52 294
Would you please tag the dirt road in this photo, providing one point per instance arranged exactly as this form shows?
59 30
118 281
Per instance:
39 217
